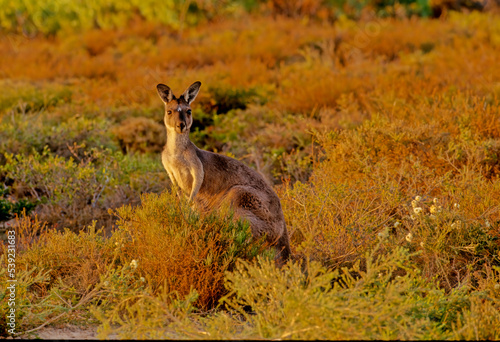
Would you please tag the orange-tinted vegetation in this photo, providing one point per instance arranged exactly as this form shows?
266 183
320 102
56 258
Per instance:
381 137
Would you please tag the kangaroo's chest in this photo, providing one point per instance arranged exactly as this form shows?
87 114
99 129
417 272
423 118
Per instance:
179 169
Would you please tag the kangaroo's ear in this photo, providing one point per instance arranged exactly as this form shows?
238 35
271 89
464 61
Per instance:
191 92
165 93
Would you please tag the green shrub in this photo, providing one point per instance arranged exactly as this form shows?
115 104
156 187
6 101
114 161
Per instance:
451 247
50 17
413 7
23 97
74 192
229 98
138 314
21 134
69 191
386 299
8 209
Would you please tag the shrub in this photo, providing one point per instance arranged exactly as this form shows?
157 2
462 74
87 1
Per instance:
160 253
298 8
76 191
357 195
10 208
55 271
178 250
25 133
79 259
51 17
481 322
334 222
24 97
451 247
140 134
26 281
226 99
386 300
69 191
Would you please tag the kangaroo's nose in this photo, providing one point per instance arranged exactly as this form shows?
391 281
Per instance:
181 126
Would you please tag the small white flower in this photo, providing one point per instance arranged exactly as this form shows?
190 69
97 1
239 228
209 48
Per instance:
422 244
413 217
454 225
487 223
409 237
456 205
435 200
414 203
418 198
396 224
383 233
142 279
417 210
106 283
133 264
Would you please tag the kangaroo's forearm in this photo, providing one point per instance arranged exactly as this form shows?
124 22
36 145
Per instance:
198 175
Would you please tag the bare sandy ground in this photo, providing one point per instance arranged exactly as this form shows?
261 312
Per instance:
67 332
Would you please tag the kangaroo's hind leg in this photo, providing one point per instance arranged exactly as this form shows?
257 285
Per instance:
249 206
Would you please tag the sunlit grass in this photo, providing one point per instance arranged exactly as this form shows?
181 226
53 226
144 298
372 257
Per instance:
381 137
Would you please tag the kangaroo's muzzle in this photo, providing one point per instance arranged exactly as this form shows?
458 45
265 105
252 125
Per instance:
181 127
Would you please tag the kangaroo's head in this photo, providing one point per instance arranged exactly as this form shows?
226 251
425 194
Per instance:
177 110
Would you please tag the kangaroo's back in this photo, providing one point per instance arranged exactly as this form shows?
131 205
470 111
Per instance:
222 173
211 179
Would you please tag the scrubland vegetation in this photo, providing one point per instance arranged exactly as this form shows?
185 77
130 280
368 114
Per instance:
377 124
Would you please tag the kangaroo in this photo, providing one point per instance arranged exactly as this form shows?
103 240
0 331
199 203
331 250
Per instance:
211 179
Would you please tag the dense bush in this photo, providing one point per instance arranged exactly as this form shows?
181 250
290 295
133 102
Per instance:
140 134
74 191
161 247
381 137
179 250
51 17
389 299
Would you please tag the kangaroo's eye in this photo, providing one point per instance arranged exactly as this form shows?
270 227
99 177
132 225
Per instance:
189 111
169 112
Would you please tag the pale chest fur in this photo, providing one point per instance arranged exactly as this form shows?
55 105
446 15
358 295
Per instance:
180 170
